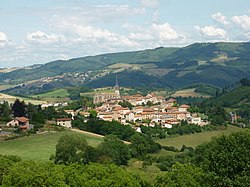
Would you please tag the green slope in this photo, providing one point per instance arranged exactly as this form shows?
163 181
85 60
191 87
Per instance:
217 64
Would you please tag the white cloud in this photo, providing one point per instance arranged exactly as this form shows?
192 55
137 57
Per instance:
211 32
97 13
101 37
43 38
155 35
242 21
220 18
164 32
3 39
149 3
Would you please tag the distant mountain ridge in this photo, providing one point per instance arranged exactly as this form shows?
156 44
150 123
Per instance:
218 64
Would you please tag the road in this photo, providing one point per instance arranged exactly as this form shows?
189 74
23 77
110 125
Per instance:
93 134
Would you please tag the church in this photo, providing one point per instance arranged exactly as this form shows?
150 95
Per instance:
104 97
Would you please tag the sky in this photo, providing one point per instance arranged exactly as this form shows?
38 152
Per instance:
40 31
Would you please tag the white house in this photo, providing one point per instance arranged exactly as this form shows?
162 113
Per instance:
65 122
130 116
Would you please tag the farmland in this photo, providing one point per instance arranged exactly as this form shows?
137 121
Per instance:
39 147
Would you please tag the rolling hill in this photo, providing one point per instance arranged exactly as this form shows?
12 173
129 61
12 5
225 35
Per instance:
217 64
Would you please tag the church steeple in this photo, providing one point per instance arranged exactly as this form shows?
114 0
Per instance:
117 89
116 82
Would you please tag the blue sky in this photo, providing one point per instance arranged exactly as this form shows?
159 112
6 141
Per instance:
40 31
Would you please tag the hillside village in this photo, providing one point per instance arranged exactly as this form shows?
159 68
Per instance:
147 110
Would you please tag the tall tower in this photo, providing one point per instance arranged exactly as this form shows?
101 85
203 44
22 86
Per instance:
117 89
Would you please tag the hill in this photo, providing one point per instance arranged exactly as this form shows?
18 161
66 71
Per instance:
233 98
217 64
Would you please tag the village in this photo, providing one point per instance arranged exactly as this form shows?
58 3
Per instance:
149 110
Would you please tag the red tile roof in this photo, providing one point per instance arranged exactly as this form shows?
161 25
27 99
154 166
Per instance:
63 119
22 119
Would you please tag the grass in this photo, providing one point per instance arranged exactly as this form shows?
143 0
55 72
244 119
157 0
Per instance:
11 99
195 139
189 93
39 147
56 93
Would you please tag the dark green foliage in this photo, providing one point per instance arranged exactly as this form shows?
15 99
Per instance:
14 172
184 128
5 163
245 82
101 176
232 98
106 128
31 173
181 175
92 114
70 149
5 112
226 159
126 104
142 144
170 148
18 108
114 150
155 131
38 118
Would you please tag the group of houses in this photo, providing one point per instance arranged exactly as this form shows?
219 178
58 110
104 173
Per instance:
160 111
164 113
147 110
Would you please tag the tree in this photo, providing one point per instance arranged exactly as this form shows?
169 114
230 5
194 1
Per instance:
226 159
18 108
126 104
98 175
32 173
92 114
70 149
115 150
181 175
5 111
5 163
142 144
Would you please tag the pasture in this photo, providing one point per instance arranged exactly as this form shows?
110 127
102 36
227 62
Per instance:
39 146
192 140
189 93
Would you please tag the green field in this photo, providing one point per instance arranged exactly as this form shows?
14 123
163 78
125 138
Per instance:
39 147
195 139
56 93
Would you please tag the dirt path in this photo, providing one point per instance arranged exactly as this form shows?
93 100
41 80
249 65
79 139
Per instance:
93 134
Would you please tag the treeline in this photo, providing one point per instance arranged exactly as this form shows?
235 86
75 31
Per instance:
112 150
14 172
35 113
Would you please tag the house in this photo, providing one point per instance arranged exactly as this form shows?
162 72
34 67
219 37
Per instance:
12 123
21 122
183 108
196 120
65 122
71 112
130 116
171 102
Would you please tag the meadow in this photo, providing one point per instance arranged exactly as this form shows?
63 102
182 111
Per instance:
189 93
11 99
39 146
42 146
193 140
59 95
